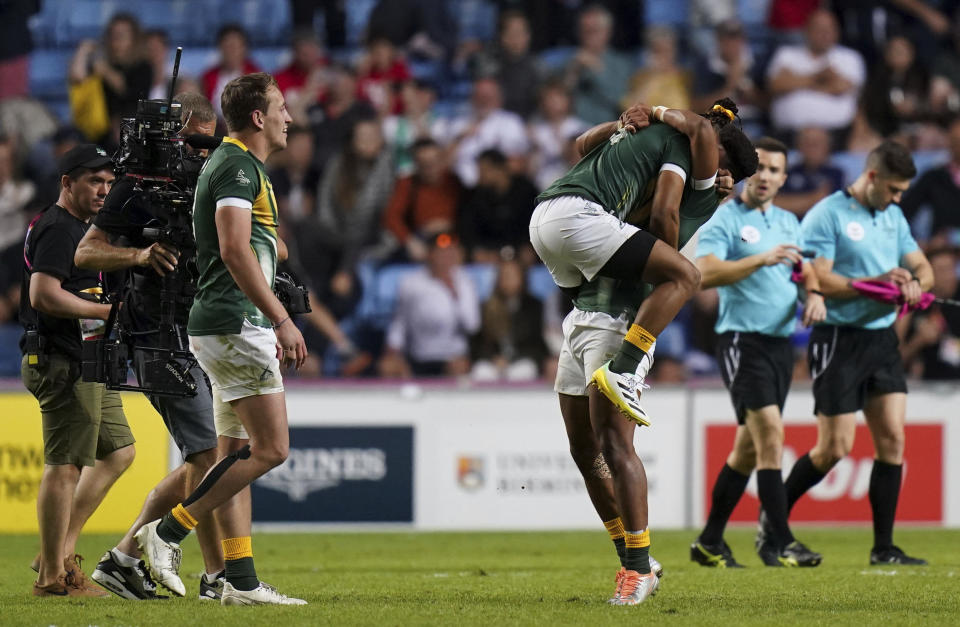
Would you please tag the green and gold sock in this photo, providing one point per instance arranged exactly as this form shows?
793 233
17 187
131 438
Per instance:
238 562
638 551
176 525
617 532
636 344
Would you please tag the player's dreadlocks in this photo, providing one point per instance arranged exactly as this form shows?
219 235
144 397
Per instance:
741 155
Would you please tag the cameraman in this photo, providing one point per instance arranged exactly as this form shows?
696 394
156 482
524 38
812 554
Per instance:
115 242
83 423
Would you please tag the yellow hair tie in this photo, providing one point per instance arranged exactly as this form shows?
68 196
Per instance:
727 112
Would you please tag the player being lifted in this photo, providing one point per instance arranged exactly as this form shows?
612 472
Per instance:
600 441
580 227
747 250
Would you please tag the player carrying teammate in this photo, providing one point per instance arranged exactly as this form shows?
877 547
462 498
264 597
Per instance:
238 332
601 443
853 355
747 249
580 227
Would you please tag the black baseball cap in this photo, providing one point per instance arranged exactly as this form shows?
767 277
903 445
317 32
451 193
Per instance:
88 156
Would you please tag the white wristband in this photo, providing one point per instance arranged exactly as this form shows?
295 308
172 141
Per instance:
658 112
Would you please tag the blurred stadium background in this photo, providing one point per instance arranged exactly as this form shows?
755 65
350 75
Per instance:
397 423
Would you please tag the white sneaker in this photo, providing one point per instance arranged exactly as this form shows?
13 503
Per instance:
656 568
264 594
623 390
636 588
161 558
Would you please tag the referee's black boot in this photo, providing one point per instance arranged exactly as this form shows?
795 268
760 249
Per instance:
718 556
798 552
893 555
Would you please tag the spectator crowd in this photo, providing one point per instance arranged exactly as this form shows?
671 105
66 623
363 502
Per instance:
414 159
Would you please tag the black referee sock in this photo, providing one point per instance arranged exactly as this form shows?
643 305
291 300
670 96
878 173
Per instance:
803 476
885 482
773 499
726 494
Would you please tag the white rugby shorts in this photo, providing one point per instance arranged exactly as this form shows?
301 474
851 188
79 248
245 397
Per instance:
576 237
590 339
238 365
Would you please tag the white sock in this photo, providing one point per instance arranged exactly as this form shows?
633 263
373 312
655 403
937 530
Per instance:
211 579
645 363
123 559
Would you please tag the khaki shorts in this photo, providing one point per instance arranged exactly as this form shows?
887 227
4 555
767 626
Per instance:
82 421
238 365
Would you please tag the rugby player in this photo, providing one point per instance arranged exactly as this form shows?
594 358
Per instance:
238 332
600 442
580 227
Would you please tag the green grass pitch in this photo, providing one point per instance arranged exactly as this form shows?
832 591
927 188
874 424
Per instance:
550 578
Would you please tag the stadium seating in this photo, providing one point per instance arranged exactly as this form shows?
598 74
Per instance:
672 13
540 283
271 59
358 12
555 59
267 23
10 349
475 19
48 73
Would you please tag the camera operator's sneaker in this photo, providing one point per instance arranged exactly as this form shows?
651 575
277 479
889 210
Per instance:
62 587
635 588
264 594
79 578
212 591
894 555
161 558
623 390
128 582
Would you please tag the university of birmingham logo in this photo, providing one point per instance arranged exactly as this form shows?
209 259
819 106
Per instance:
470 474
309 470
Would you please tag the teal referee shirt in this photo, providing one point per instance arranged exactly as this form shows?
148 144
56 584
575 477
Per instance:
862 242
766 301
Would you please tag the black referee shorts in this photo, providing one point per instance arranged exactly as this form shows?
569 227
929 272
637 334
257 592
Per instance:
848 364
756 369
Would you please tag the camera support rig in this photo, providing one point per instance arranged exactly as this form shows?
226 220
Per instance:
152 154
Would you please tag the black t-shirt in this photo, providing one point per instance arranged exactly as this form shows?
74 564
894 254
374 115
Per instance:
491 220
126 212
51 241
137 79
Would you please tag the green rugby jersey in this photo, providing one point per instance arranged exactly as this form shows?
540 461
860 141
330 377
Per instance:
615 297
621 173
231 173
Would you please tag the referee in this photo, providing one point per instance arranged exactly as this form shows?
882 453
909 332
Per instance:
860 232
747 249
